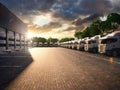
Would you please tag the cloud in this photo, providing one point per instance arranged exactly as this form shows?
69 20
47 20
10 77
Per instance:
71 28
53 25
64 9
72 9
116 5
95 6
62 12
45 28
88 19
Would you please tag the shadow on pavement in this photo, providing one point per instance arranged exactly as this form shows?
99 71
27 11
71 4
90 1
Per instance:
11 65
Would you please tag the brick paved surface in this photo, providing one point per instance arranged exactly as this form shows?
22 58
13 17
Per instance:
11 65
64 69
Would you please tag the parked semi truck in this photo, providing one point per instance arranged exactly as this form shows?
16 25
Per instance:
93 44
110 44
82 43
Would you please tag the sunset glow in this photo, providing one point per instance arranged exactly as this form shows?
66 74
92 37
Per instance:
30 35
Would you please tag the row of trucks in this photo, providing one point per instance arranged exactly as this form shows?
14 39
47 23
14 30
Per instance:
107 44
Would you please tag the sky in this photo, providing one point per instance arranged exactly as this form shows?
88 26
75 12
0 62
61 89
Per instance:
60 18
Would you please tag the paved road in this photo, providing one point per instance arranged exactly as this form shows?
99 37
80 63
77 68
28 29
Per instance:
65 69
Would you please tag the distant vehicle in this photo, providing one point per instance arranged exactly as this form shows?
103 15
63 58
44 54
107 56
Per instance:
93 44
40 44
56 44
111 44
74 44
86 44
34 44
70 45
78 45
45 44
82 43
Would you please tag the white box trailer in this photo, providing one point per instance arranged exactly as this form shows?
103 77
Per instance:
70 44
111 44
74 44
82 44
86 44
93 44
78 45
65 44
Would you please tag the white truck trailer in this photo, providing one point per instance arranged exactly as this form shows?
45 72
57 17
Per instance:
111 44
93 44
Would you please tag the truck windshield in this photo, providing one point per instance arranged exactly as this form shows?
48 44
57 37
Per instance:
109 40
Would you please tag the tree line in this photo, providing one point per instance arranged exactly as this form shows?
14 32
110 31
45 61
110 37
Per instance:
49 40
100 27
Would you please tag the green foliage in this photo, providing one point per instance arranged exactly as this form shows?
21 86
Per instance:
86 33
94 28
113 18
38 39
53 40
66 39
100 27
35 39
78 35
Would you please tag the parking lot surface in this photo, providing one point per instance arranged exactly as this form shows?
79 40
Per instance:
60 69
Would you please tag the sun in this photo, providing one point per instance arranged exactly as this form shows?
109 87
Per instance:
30 35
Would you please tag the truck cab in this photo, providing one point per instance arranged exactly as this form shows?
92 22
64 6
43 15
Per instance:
75 44
86 44
82 43
93 44
111 43
78 45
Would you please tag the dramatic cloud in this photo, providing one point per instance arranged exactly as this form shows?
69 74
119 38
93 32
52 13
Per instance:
116 5
65 9
60 12
45 28
88 19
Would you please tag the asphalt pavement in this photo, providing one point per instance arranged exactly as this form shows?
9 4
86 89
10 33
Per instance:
59 69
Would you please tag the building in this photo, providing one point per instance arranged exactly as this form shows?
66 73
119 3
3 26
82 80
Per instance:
12 30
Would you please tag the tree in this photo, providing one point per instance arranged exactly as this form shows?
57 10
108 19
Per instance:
113 18
66 39
42 40
94 28
38 40
101 27
53 40
78 35
86 33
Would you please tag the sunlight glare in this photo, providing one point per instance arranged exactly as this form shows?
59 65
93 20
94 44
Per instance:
30 35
